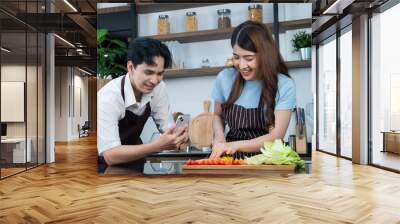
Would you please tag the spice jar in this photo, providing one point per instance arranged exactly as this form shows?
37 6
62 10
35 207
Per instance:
255 13
163 24
191 21
224 18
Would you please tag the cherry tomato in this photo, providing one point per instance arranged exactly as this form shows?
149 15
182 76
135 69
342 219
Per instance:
235 162
215 162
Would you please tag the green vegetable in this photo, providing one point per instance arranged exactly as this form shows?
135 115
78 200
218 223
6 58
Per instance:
276 153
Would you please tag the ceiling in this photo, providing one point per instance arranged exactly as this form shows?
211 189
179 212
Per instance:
329 15
79 26
76 25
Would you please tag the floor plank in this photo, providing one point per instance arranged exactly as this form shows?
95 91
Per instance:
71 191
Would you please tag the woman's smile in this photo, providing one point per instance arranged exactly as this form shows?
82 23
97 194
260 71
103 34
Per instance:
246 73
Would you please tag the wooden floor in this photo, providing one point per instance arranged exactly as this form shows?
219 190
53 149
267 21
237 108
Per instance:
71 191
5 172
386 159
10 171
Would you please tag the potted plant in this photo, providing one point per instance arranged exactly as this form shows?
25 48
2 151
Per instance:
301 41
111 55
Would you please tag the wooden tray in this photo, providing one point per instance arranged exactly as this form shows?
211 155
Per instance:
237 169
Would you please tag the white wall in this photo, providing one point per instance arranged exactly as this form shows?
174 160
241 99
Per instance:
61 103
80 118
15 73
186 94
304 96
68 80
33 125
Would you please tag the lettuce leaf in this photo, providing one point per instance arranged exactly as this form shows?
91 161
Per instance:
276 153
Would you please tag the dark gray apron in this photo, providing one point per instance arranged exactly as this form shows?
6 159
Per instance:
130 127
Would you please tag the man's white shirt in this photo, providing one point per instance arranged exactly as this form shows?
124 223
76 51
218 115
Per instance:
111 108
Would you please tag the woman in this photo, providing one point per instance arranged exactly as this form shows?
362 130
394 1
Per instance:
255 98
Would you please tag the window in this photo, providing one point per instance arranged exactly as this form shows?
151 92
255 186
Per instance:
327 95
385 88
346 92
22 77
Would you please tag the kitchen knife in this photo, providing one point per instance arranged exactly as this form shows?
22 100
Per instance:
301 123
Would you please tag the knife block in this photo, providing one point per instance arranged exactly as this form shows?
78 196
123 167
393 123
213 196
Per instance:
301 143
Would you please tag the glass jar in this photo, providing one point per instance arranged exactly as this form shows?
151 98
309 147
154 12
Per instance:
255 13
229 62
224 18
191 21
163 24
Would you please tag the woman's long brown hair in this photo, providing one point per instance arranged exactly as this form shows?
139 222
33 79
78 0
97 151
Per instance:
256 37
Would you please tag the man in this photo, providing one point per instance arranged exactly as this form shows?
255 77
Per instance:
125 104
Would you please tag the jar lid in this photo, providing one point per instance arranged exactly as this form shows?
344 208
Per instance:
257 6
223 11
191 13
163 16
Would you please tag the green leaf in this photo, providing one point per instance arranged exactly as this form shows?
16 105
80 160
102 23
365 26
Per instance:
301 40
108 57
101 35
123 68
121 44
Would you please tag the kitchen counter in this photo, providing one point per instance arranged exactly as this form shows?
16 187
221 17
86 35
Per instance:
170 163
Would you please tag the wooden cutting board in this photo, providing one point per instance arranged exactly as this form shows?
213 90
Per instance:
201 128
237 169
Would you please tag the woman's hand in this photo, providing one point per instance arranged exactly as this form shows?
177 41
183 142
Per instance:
222 148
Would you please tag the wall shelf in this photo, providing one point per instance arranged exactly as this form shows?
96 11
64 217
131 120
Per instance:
125 8
199 72
220 34
298 64
150 7
162 7
192 72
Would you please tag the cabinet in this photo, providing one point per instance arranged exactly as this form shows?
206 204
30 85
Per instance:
13 150
391 142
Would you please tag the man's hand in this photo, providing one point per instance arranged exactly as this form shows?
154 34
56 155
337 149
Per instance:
171 139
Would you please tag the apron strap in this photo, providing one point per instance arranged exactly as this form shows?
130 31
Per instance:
123 87
261 102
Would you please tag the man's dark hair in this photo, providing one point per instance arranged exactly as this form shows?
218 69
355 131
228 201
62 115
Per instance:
145 49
